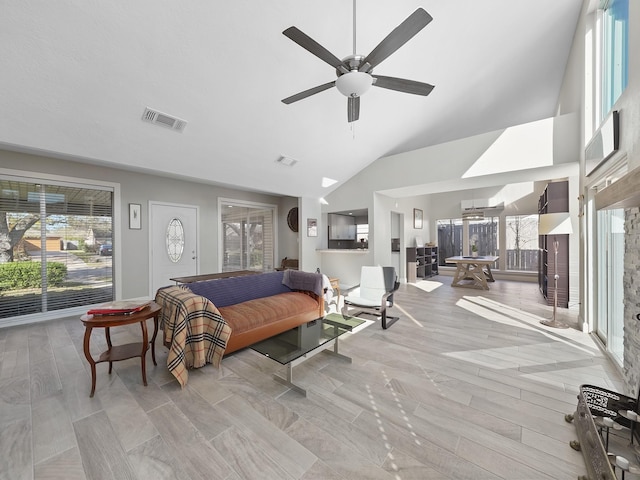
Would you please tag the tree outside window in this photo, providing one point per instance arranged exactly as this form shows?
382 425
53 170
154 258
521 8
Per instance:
522 242
50 239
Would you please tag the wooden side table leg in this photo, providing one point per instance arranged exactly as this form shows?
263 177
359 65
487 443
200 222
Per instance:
153 340
92 363
145 347
107 334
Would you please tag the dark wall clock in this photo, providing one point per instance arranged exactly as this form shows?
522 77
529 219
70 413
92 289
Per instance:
292 219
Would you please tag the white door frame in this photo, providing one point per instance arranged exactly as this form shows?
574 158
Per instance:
170 204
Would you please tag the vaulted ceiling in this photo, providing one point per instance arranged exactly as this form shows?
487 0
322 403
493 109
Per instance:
78 75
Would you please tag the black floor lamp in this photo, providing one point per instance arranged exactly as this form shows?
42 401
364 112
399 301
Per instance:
555 224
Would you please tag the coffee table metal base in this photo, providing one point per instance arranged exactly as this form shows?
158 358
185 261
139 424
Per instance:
289 380
294 346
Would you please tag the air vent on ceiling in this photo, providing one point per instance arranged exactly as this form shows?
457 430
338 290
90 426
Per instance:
159 118
286 161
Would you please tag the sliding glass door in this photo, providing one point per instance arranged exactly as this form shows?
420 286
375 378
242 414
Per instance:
56 246
248 236
610 289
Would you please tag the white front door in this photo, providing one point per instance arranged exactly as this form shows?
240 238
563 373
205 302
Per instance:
174 243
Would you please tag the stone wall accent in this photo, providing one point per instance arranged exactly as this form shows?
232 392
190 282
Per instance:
632 300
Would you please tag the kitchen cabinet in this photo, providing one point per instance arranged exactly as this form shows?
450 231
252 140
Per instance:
342 227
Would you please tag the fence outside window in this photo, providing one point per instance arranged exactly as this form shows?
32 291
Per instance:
521 232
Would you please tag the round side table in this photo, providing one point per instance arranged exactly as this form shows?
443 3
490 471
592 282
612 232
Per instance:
121 352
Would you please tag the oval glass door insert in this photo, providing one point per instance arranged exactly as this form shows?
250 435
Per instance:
175 240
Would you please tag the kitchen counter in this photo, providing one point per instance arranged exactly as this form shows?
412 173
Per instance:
344 250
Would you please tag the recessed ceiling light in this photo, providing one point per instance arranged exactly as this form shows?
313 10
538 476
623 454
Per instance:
286 161
327 182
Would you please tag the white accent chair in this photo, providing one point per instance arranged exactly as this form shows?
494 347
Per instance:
377 285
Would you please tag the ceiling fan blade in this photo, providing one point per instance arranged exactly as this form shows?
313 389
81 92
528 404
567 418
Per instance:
397 38
353 109
402 85
309 44
308 93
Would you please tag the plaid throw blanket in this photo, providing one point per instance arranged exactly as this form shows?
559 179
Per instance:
193 329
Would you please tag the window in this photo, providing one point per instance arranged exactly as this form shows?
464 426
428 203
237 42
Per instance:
484 235
605 271
456 236
615 40
248 240
56 246
522 242
449 238
610 265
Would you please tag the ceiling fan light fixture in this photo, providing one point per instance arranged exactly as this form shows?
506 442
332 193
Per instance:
473 214
354 83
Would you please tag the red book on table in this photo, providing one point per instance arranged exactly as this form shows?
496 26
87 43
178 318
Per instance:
119 307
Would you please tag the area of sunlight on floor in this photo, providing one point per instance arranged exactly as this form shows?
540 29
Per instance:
428 285
499 358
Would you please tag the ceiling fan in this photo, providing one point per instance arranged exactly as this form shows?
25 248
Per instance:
355 72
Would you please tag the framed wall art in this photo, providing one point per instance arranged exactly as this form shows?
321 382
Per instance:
135 216
417 218
312 227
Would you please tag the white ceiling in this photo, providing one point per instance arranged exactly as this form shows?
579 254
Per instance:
77 76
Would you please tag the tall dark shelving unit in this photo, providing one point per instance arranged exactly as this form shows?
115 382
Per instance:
424 259
554 199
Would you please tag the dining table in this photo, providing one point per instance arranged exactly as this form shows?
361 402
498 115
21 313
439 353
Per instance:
473 271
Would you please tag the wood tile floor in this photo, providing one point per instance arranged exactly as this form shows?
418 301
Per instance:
467 385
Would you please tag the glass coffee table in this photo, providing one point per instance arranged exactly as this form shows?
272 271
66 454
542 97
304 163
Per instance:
294 346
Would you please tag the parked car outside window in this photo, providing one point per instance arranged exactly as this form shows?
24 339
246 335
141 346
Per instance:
106 250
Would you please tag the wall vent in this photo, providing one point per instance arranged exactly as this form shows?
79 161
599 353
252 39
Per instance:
159 118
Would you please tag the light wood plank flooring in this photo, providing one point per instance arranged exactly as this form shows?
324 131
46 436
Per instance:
467 385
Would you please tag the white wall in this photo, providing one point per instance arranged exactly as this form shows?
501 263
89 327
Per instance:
288 244
503 165
140 188
577 94
309 256
346 266
356 195
538 150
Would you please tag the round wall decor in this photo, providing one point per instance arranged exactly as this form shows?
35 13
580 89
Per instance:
292 219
